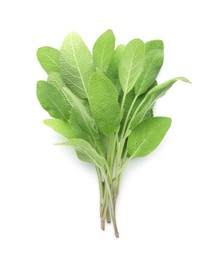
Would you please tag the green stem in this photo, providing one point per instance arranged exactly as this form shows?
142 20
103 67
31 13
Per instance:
133 116
111 203
123 102
113 157
104 210
108 216
100 187
128 114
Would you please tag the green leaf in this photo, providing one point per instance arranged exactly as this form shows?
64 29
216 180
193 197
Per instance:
128 102
154 45
49 59
103 50
60 127
80 128
82 124
149 114
76 64
53 101
152 65
80 112
151 97
112 72
77 130
104 103
131 64
147 136
83 157
84 148
55 79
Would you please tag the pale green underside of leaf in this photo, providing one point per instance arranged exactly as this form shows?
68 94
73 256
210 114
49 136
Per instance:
53 101
147 136
104 103
154 45
103 50
112 72
82 124
79 108
60 127
131 64
76 64
151 97
129 99
84 148
55 79
84 157
49 59
79 128
152 64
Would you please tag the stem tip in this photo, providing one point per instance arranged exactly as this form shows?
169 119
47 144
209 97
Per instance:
103 225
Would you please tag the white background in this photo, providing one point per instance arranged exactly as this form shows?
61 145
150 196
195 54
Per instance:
169 206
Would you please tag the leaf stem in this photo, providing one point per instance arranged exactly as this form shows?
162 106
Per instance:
133 116
111 202
128 114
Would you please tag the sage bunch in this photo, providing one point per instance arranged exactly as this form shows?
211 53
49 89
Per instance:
102 103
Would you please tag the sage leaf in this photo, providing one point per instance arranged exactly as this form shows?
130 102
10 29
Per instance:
81 121
151 97
103 50
79 110
84 147
85 131
49 59
76 64
131 64
78 126
60 127
104 103
112 72
54 78
128 103
84 157
77 130
154 45
147 136
152 64
53 101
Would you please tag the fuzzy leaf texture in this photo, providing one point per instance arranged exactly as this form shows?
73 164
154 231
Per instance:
103 50
49 59
131 64
53 101
152 96
104 103
153 61
84 147
112 72
60 127
147 136
76 64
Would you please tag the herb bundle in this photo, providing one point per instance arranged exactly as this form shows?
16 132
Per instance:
103 104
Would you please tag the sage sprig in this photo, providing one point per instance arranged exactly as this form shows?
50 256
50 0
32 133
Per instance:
102 103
